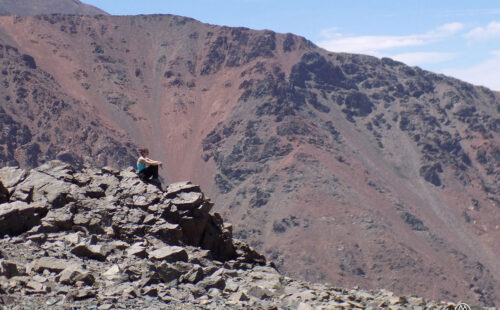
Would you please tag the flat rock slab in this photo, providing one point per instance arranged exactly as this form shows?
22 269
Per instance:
50 264
170 254
187 201
186 186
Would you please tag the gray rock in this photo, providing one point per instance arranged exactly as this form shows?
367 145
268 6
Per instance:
58 219
11 176
36 287
170 254
80 294
115 274
74 273
193 228
8 269
175 188
98 252
259 292
18 217
216 280
187 201
168 272
4 193
194 275
49 263
138 250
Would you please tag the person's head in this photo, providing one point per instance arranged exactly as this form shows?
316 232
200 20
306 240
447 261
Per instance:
144 152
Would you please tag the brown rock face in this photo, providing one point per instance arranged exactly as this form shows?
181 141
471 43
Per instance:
341 168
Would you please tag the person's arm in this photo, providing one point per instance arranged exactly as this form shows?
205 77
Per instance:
150 161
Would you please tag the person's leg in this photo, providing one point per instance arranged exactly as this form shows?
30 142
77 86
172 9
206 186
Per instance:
148 172
154 172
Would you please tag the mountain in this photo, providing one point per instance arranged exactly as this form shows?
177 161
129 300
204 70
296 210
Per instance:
340 168
38 7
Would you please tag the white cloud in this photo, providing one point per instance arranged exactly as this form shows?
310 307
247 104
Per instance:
424 58
372 45
491 30
485 73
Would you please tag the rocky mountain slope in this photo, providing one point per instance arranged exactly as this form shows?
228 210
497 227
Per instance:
340 168
30 7
103 239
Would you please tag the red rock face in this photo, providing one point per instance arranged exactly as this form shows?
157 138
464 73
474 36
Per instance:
341 168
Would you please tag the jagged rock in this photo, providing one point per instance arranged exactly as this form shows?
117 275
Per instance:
98 252
193 228
137 249
168 272
74 273
141 251
4 193
58 219
8 269
170 254
11 176
194 275
170 233
215 280
115 274
18 217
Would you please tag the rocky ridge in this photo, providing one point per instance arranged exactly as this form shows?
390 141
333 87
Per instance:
390 169
103 239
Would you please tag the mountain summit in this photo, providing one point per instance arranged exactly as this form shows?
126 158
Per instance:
340 168
38 7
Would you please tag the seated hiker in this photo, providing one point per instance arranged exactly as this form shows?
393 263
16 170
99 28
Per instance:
146 167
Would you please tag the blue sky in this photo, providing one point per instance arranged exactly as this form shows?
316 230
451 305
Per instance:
458 38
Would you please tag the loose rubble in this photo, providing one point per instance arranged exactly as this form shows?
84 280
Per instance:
103 239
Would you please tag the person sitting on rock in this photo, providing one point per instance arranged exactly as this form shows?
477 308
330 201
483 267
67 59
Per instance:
147 168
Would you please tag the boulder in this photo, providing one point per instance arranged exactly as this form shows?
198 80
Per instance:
74 273
187 201
18 217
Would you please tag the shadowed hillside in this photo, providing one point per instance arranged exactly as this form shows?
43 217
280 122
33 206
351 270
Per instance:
341 168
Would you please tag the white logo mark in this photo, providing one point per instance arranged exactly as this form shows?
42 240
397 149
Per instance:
462 306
